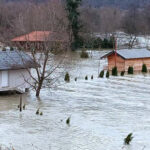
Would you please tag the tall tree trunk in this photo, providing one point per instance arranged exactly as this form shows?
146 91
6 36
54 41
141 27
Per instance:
39 88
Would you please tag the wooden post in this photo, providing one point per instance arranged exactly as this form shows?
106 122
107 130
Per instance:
115 52
21 103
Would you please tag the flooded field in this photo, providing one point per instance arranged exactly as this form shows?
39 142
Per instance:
103 112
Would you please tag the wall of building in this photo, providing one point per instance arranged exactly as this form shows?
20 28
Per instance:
120 62
123 65
137 63
16 79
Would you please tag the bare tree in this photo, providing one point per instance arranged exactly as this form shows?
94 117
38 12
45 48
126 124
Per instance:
50 25
110 19
133 24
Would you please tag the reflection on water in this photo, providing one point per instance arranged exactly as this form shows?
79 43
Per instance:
103 112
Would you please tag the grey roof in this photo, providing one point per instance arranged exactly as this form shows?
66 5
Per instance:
14 60
131 53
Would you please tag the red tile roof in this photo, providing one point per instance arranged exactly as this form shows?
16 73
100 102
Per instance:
37 36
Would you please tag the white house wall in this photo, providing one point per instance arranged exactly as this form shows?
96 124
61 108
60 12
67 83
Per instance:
17 79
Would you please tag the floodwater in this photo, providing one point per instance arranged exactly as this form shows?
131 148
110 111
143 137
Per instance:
103 112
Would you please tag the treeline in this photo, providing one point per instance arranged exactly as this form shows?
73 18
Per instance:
125 4
19 17
109 19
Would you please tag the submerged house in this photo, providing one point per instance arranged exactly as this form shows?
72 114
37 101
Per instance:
15 71
38 39
122 59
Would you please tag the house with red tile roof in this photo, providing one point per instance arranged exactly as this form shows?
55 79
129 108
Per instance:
38 38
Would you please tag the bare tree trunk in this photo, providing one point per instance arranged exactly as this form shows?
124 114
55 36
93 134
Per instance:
131 42
39 88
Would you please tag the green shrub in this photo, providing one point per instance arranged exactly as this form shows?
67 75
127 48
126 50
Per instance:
97 43
67 77
144 68
86 77
107 74
101 75
84 54
114 71
122 73
92 42
130 70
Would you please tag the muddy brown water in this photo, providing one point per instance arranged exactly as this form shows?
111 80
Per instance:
102 111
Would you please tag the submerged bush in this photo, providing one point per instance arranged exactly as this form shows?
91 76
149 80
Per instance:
107 74
67 77
4 49
128 139
144 68
24 107
122 73
130 70
84 54
101 75
114 71
11 48
37 112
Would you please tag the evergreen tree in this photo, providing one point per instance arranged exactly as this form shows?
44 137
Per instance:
107 74
114 71
105 43
130 70
112 42
67 77
74 23
144 68
101 75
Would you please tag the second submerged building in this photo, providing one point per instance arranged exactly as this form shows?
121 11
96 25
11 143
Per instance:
125 58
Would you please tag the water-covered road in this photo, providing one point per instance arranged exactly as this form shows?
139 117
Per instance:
103 112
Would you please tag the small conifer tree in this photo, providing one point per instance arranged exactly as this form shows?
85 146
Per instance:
144 68
114 71
107 74
67 77
130 70
101 75
86 77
